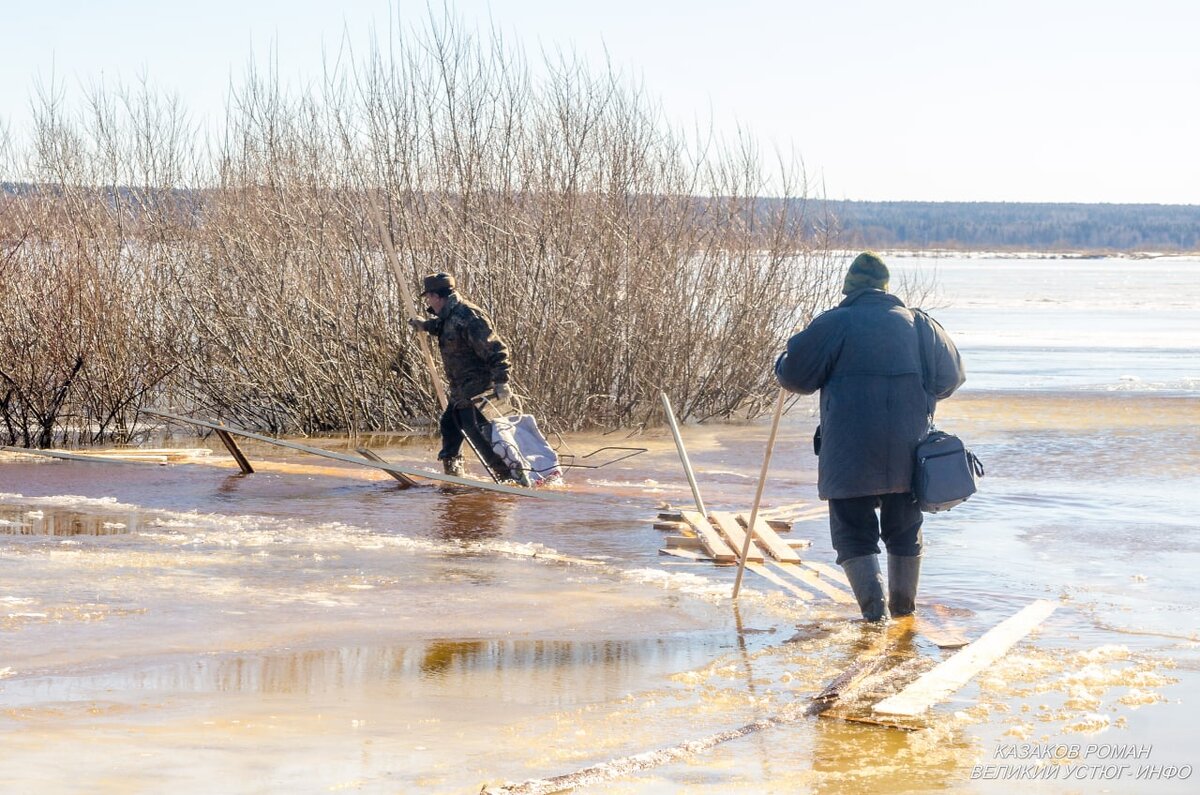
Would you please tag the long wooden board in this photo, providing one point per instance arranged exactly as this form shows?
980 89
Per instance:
942 636
778 525
405 481
771 576
96 459
775 545
728 526
894 642
684 542
816 582
349 459
716 546
952 674
820 512
243 463
690 554
827 571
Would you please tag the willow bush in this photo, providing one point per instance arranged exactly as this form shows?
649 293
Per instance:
238 273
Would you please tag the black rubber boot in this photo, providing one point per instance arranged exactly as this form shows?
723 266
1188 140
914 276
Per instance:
867 583
903 574
454 466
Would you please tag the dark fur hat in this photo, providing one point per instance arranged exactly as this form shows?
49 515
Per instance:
438 282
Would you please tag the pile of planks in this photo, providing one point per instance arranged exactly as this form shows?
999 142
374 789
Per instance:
719 537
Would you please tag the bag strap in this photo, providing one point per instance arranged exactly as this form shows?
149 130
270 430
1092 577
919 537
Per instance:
925 342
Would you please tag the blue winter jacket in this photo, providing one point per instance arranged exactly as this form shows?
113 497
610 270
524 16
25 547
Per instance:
864 356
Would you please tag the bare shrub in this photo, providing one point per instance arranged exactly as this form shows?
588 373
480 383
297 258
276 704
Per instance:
243 277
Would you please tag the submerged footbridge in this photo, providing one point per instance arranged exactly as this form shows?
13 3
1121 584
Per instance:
404 474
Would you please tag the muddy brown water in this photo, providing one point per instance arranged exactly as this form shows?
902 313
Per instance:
314 628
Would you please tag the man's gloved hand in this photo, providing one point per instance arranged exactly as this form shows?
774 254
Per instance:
416 323
503 392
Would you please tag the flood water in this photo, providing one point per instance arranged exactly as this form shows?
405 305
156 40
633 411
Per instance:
315 628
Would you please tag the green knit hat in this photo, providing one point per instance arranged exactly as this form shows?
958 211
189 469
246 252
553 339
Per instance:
867 270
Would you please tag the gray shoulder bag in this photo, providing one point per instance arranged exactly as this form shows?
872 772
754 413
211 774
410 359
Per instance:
945 472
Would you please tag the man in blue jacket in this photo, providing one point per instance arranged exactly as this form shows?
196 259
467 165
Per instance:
865 358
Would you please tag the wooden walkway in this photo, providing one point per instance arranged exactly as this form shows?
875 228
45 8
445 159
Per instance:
394 469
719 538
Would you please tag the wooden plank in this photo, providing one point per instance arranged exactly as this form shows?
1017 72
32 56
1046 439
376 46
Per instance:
410 305
903 668
170 454
828 572
952 674
71 456
114 454
778 525
235 451
756 503
770 541
893 643
690 554
683 455
941 636
713 542
799 543
766 573
816 582
404 480
819 512
684 542
670 527
734 534
557 558
349 459
937 619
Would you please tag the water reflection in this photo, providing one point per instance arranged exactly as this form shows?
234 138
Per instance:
472 516
545 671
230 486
18 520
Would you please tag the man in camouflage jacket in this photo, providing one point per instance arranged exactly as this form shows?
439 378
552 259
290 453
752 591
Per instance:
475 360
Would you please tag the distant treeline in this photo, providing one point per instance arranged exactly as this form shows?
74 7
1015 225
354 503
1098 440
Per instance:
1006 226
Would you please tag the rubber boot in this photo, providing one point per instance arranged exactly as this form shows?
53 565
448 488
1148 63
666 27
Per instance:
903 574
454 466
867 583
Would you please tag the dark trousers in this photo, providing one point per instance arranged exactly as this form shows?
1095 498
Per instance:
855 529
455 423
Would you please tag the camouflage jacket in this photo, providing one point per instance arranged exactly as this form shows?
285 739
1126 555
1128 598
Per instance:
473 356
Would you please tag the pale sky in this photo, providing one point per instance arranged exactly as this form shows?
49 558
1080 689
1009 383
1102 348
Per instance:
946 100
